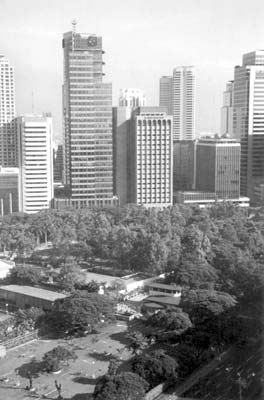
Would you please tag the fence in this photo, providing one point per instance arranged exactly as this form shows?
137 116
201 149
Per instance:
18 340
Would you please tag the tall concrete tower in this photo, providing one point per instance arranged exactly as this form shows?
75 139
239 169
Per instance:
87 110
8 143
178 95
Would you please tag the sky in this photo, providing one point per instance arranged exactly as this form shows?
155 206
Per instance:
143 40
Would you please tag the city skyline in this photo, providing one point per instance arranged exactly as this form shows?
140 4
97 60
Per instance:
175 34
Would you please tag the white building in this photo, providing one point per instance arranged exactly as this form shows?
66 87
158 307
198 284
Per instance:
35 162
248 119
132 97
226 127
178 94
150 157
7 113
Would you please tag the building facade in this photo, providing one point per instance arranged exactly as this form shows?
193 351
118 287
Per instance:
166 93
218 167
226 127
248 119
132 98
178 95
9 190
184 95
184 164
58 164
35 161
150 157
87 109
8 143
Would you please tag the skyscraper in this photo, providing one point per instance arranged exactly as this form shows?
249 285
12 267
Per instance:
8 144
166 93
150 157
218 167
87 108
132 97
226 127
184 164
35 162
178 94
128 101
248 119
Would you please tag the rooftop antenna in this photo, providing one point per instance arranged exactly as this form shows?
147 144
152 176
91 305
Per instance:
74 23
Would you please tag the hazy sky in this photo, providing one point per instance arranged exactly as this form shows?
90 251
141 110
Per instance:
143 40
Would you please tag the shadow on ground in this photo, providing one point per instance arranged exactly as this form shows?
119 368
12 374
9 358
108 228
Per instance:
33 368
84 380
81 396
101 356
119 337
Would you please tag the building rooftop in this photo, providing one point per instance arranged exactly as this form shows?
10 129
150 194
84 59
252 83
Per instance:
34 292
166 300
165 286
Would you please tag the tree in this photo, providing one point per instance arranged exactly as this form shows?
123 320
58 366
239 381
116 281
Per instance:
168 324
203 304
53 358
81 312
124 386
155 367
28 319
137 342
24 275
70 275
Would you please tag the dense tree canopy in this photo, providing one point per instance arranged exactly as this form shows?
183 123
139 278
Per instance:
220 248
124 386
81 312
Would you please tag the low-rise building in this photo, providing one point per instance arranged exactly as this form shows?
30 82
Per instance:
29 296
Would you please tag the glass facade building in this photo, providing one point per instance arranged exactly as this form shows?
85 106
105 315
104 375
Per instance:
248 119
87 110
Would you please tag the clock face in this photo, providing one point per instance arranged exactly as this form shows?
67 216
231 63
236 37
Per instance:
92 41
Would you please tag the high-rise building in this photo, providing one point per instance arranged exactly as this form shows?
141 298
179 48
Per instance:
87 105
248 119
128 101
166 93
218 167
35 162
178 94
150 154
226 127
121 129
132 98
184 94
9 190
58 164
8 143
184 164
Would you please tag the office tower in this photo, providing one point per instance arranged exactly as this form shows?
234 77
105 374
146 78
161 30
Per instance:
165 93
35 162
87 105
58 164
8 144
132 98
128 101
121 129
8 190
248 119
218 167
150 155
184 103
226 127
178 94
184 164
